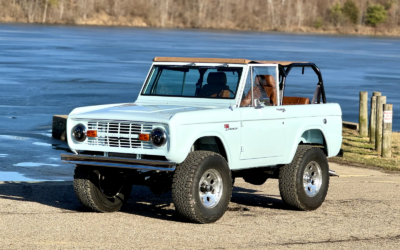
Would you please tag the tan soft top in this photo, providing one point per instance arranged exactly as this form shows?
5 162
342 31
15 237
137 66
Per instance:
217 60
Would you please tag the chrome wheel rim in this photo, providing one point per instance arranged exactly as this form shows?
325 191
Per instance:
312 179
210 188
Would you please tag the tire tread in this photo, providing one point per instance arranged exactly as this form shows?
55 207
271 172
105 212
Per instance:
183 182
88 193
83 189
287 178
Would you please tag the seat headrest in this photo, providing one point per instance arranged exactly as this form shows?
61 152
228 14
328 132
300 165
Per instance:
216 78
265 80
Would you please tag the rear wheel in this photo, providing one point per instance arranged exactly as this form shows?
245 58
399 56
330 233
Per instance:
101 190
202 187
304 182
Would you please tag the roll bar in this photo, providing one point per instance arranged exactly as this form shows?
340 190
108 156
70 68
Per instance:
286 70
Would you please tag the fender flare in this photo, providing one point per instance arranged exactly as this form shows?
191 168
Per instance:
298 139
209 134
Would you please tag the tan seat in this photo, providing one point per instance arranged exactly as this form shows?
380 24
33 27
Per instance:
267 82
216 86
289 100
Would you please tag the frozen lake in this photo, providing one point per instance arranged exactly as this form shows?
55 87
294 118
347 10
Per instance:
47 70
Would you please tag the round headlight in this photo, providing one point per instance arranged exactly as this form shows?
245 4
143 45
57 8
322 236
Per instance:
79 133
158 137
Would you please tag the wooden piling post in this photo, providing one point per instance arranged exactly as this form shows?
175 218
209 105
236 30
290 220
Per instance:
387 130
379 122
376 93
372 122
363 115
372 117
59 127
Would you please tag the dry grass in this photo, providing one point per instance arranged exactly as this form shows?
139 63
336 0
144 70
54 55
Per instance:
358 151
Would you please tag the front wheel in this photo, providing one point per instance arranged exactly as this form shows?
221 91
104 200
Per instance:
100 190
202 187
304 182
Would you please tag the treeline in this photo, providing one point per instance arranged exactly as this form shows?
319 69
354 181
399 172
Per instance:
344 16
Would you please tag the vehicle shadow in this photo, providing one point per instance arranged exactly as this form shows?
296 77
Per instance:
251 198
52 193
61 195
143 202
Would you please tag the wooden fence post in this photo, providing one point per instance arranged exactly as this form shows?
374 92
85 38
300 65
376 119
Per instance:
372 122
363 116
387 130
379 122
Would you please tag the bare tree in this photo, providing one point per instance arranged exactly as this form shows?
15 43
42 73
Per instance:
164 10
272 12
85 7
61 7
32 11
45 11
299 11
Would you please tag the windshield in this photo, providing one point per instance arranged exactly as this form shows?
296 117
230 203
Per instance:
193 81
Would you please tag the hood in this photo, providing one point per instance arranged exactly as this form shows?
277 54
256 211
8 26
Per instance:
135 112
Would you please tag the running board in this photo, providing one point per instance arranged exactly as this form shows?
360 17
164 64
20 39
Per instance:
333 173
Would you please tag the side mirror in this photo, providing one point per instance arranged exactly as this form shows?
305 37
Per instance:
265 100
262 102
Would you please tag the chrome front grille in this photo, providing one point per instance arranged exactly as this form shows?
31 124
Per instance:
120 134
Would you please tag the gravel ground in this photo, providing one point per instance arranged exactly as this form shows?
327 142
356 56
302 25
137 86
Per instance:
362 210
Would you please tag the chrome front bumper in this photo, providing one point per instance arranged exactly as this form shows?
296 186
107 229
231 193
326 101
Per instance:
115 162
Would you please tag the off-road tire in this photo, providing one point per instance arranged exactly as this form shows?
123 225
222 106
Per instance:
291 179
90 195
186 185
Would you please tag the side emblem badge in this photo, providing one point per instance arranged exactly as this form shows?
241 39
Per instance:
226 126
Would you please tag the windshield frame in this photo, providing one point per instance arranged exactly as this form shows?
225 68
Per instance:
212 65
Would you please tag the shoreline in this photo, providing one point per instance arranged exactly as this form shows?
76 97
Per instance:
356 31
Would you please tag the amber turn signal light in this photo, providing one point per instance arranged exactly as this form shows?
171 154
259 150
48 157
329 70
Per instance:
91 133
144 137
